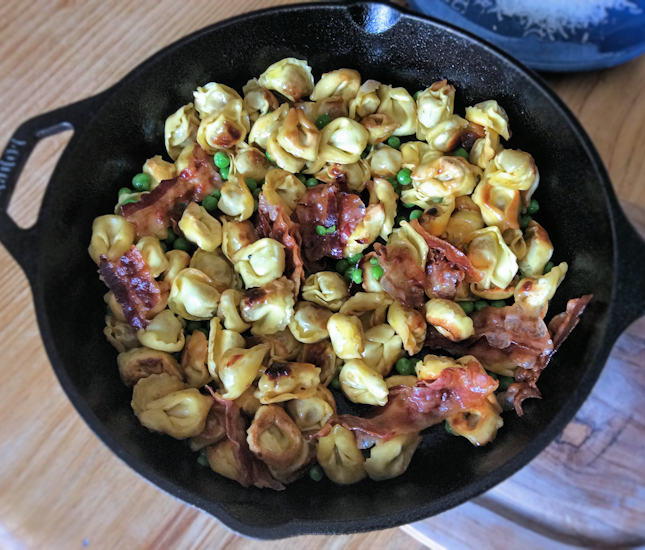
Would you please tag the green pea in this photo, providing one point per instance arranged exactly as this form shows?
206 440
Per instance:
221 160
505 382
377 272
335 382
356 275
224 172
416 94
366 151
480 304
323 120
170 236
251 184
394 141
498 303
548 267
403 176
311 182
408 205
256 192
302 178
355 258
322 230
202 460
468 307
524 221
342 266
316 473
461 152
217 194
124 191
210 203
533 207
268 156
181 244
374 261
256 205
142 182
129 201
416 214
405 366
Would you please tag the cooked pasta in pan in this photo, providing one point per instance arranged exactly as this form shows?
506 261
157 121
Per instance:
314 244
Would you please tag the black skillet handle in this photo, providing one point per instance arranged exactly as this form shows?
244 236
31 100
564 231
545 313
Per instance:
629 297
22 243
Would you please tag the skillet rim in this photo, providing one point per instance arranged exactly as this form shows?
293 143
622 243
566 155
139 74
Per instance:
296 526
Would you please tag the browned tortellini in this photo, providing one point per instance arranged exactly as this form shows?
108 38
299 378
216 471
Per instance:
214 97
260 262
409 324
250 162
266 126
488 253
236 235
389 459
282 346
339 456
312 413
193 296
236 200
355 175
514 238
478 424
366 231
282 157
194 359
180 129
228 310
217 267
380 127
284 381
268 308
443 177
281 188
277 441
220 340
369 307
199 227
538 250
223 460
342 141
309 323
177 260
445 136
434 105
346 335
165 332
325 288
159 170
533 293
432 366
490 114
237 368
464 221
484 149
499 205
385 161
299 136
120 334
153 255
290 76
258 100
406 236
151 387
341 82
112 236
322 355
362 384
214 431
399 106
366 101
223 129
383 347
435 219
382 192
449 319
139 363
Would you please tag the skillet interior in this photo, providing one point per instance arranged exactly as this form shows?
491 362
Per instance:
388 46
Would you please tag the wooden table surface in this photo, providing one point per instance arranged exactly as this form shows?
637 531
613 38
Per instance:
61 488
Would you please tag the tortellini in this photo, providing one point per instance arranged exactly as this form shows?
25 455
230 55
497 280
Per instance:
269 308
236 200
284 381
340 458
341 82
120 334
290 76
512 169
323 356
381 191
325 288
409 324
236 235
464 221
499 206
398 105
383 347
177 261
112 236
193 296
260 262
153 255
165 332
478 424
484 149
199 227
346 335
406 237
299 136
180 129
534 293
266 125
538 250
370 307
228 310
309 323
434 105
490 114
312 413
342 140
385 161
237 368
433 365
258 100
223 129
282 188
366 101
380 126
142 362
250 162
151 387
361 384
220 340
223 460
159 170
366 231
282 346
488 253
217 267
213 98
194 360
444 177
355 175
449 319
391 458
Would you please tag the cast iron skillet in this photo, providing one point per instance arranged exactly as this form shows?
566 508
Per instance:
115 130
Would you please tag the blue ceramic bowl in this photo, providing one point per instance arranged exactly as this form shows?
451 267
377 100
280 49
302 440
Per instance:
594 34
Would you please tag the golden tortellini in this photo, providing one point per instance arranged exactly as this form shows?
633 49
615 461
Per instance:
444 177
159 170
236 199
223 129
112 236
142 362
405 236
391 458
217 267
290 77
340 458
355 175
153 255
250 162
434 105
433 365
298 136
266 126
341 82
346 335
490 114
488 253
180 129
362 384
177 261
228 310
464 221
325 288
534 293
513 169
380 126
151 387
398 105
237 368
309 323
194 360
409 324
199 227
381 191
366 101
282 346
284 381
499 206
383 347
120 334
268 308
258 100
370 307
165 332
260 262
538 250
220 340
282 188
193 296
478 424
342 141
236 235
385 161
449 319
366 231
311 413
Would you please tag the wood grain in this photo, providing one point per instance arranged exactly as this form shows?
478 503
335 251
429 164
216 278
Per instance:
61 488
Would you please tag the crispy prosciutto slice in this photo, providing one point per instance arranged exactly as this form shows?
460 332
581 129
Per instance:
155 211
446 266
403 278
327 206
133 285
251 470
274 222
412 409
